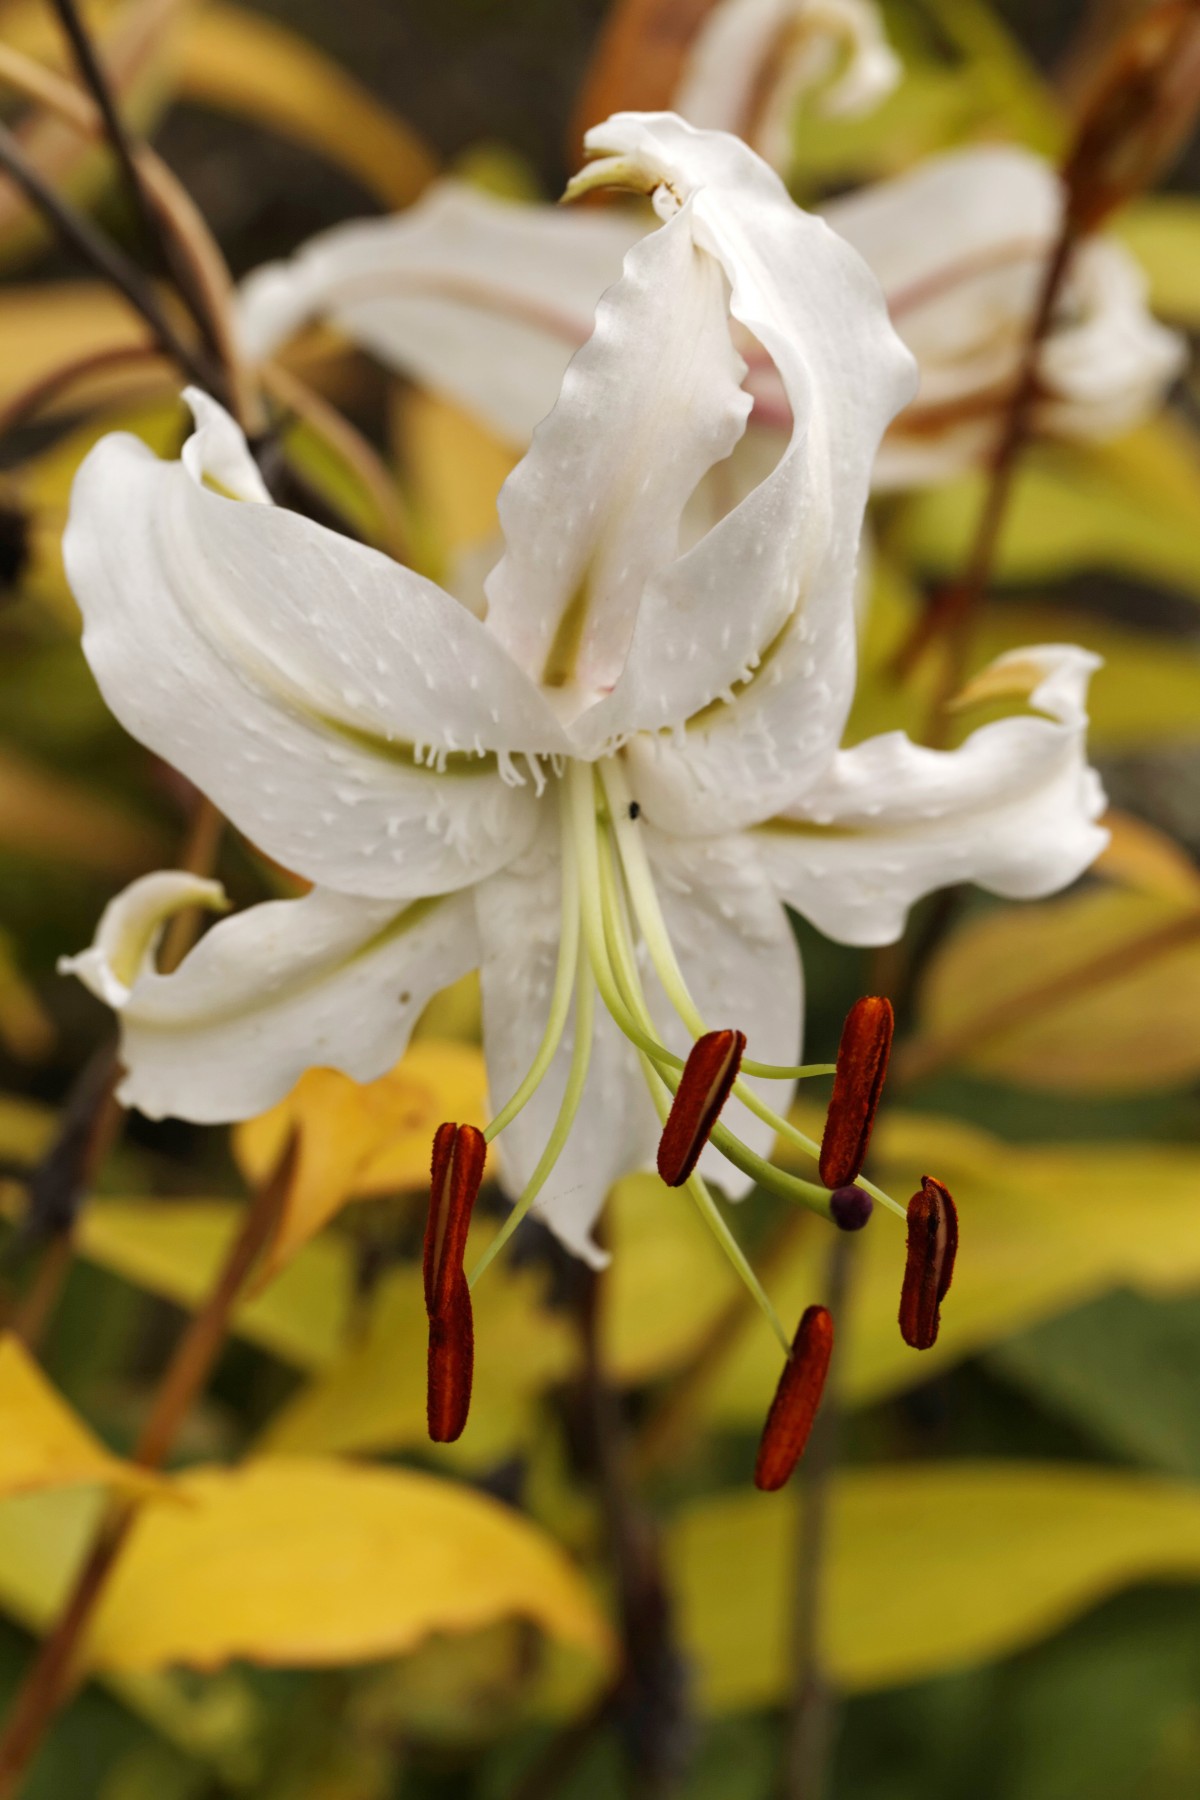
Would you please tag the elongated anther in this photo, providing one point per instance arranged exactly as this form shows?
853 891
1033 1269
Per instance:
708 1075
459 1154
796 1400
932 1247
861 1066
451 1365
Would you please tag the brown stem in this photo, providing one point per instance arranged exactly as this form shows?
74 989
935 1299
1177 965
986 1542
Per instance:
808 1740
112 264
649 1700
48 1682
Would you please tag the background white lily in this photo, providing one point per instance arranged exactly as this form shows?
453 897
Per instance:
608 788
485 301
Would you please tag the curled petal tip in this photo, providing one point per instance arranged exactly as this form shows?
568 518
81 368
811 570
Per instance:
850 1208
797 1398
708 1076
861 1067
929 1268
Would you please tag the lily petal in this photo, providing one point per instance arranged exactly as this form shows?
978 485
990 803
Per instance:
616 1130
647 407
327 981
960 243
752 60
763 604
483 300
1014 809
740 960
343 712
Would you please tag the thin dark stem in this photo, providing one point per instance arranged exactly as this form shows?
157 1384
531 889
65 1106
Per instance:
124 150
106 259
808 1742
650 1701
48 1682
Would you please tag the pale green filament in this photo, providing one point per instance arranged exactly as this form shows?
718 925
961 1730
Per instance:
581 1055
657 939
564 981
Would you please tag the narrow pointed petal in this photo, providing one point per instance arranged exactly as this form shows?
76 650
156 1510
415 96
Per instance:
929 1268
753 60
459 1156
862 1062
650 403
708 1076
1013 809
797 1398
328 980
309 685
485 301
749 636
451 1365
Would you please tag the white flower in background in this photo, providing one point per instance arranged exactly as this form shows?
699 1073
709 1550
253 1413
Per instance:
752 62
603 794
485 301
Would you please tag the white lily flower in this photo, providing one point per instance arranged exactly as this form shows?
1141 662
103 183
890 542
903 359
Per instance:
603 794
485 301
752 61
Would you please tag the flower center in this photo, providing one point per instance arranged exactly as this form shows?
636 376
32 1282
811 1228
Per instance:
612 922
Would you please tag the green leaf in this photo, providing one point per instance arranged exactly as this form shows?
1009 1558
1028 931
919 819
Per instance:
930 1568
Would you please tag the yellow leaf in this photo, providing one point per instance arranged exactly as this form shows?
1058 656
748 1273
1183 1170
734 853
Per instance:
1095 993
1163 231
300 1562
455 469
43 1444
1043 1229
26 1029
373 1398
1130 505
242 62
667 1280
357 1138
176 1248
930 1569
44 325
1142 857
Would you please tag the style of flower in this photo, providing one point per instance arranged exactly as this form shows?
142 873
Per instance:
604 794
485 301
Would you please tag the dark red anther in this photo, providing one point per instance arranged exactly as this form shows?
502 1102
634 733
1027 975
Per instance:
932 1247
850 1208
459 1155
796 1400
861 1066
708 1075
451 1365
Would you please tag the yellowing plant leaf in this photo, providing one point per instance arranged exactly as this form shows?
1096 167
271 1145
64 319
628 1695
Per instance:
26 1030
242 62
1096 993
930 1569
1142 857
1163 231
43 1444
300 1562
1129 505
44 325
357 1139
373 1398
667 1281
1043 1229
176 1248
455 469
